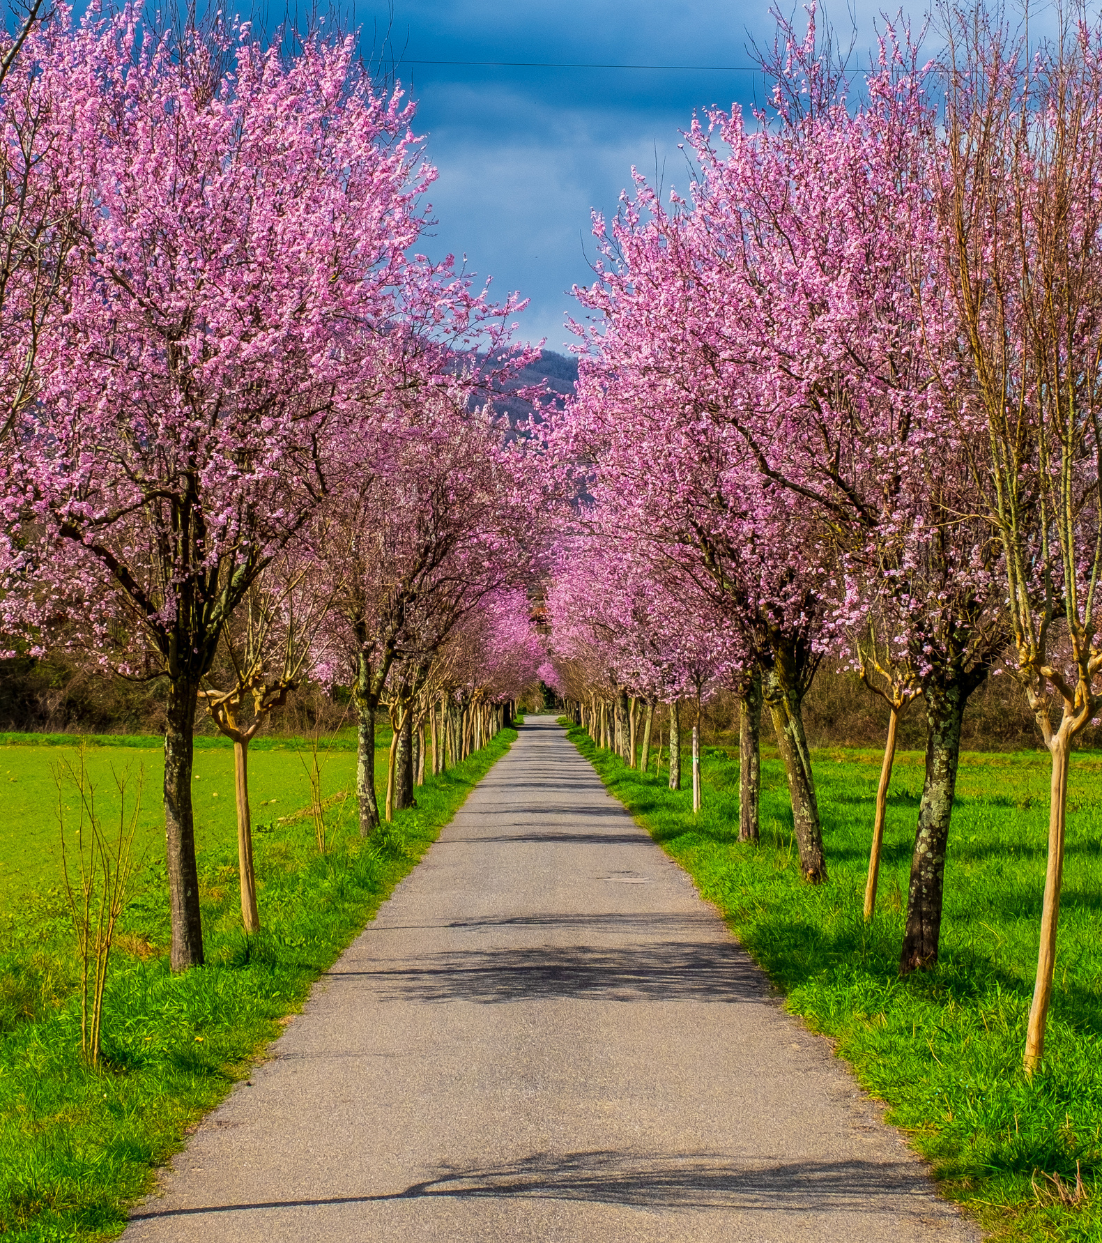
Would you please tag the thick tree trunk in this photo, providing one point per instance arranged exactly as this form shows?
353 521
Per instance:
1050 909
944 713
365 769
696 765
250 916
785 707
648 723
749 749
403 786
881 813
183 874
675 745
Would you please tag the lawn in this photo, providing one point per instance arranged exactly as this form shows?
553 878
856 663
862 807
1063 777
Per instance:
942 1048
76 1144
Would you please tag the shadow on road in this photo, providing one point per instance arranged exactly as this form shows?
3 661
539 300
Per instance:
695 1181
659 971
623 921
581 838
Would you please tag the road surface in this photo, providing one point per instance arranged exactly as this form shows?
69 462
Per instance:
546 1036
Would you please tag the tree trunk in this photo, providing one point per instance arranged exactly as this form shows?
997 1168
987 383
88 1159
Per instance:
780 692
250 916
421 749
696 765
749 750
633 709
648 722
403 791
183 874
881 813
675 745
391 768
1050 909
944 713
365 768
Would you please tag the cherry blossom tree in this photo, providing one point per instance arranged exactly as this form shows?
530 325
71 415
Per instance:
240 291
431 517
778 372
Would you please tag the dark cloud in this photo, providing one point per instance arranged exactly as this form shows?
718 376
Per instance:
525 154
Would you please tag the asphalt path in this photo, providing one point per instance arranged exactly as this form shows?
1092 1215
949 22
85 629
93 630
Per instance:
544 1036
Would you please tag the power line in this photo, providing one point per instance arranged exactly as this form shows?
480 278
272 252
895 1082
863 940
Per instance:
542 64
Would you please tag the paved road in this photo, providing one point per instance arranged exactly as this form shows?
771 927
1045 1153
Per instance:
546 1037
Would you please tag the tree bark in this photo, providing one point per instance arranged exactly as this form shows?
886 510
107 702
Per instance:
365 769
781 691
391 768
881 813
675 745
403 789
1060 749
944 714
183 873
696 765
648 723
749 748
633 708
250 916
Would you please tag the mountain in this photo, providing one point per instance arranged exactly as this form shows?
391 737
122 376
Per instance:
558 373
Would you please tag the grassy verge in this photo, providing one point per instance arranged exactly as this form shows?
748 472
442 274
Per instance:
943 1048
77 1145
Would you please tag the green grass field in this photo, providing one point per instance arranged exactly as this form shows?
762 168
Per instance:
942 1048
77 1144
278 786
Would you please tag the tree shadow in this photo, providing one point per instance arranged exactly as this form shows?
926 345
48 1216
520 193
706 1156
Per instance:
658 971
574 839
695 1181
612 812
625 921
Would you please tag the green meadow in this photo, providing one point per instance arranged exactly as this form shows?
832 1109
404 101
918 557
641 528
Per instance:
942 1048
77 1144
279 785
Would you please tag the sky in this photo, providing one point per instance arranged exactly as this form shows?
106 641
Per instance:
525 154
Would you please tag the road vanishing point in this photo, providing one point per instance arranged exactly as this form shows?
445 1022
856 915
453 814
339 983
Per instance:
547 1036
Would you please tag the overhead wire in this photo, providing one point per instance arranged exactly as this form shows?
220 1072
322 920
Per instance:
543 64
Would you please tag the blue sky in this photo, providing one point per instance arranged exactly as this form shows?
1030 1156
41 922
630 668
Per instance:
524 154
